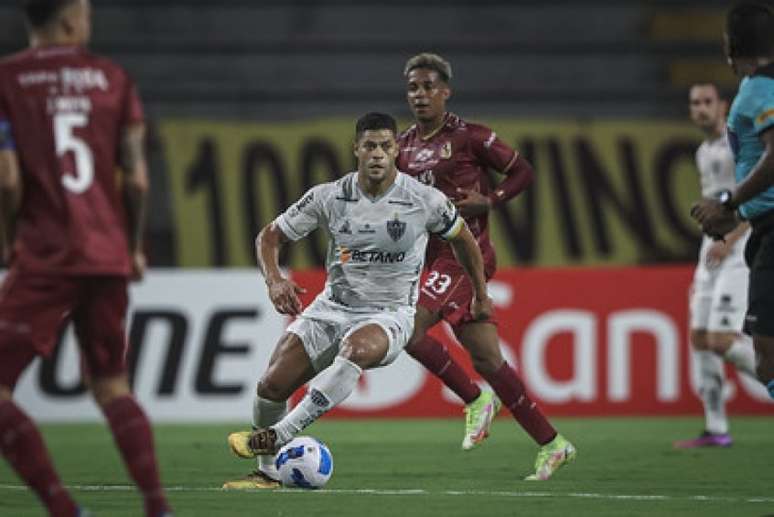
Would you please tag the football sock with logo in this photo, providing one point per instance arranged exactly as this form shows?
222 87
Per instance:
508 386
331 387
711 377
134 438
23 447
267 413
742 355
435 357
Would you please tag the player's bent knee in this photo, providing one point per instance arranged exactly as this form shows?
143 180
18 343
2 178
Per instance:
365 355
486 366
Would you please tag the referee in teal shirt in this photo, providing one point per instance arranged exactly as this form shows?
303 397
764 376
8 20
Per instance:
749 41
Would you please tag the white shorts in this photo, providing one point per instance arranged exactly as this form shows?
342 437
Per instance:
718 300
324 324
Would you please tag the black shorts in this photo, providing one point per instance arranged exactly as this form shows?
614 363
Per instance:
759 255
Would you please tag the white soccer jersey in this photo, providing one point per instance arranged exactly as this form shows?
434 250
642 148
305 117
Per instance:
718 300
716 166
376 246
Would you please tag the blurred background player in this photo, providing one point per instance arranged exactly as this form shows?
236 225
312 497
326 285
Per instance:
750 50
443 150
719 293
379 222
66 116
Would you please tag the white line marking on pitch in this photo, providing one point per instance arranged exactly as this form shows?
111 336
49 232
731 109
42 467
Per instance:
420 492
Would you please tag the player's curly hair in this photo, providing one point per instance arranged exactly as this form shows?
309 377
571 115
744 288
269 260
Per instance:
750 29
40 13
430 61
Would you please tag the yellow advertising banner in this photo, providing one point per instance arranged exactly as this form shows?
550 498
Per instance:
606 192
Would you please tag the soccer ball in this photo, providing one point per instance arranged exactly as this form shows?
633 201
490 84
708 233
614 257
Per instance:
304 462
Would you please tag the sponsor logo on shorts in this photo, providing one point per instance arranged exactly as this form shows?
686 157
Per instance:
726 304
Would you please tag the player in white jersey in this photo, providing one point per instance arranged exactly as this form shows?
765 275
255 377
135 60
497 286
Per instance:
378 221
718 301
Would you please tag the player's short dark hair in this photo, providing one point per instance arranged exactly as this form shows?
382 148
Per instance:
722 94
40 13
374 121
750 29
430 61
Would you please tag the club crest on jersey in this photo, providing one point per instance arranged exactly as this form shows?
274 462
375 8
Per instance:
396 228
446 151
427 177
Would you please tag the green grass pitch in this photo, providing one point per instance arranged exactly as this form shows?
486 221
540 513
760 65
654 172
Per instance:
416 468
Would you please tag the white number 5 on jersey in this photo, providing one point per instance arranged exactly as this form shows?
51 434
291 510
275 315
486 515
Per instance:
81 179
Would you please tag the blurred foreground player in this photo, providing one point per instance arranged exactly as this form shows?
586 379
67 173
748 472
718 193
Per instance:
455 156
66 116
750 50
378 221
719 292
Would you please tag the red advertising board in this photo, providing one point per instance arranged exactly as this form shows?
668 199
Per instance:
587 342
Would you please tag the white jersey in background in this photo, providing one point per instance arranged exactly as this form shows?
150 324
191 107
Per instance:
376 247
716 166
719 295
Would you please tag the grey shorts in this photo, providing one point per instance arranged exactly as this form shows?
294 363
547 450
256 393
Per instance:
324 324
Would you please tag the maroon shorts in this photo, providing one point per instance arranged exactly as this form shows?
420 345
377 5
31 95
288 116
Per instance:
34 309
447 290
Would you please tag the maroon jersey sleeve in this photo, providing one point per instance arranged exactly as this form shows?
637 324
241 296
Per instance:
489 149
133 112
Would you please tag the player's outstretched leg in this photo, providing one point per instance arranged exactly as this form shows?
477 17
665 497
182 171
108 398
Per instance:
22 446
290 368
265 413
434 356
555 451
481 341
134 439
711 379
480 407
327 390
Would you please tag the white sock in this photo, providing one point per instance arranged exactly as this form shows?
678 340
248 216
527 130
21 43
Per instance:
711 377
267 413
742 355
331 387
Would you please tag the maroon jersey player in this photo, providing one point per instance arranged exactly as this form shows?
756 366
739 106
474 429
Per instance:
455 156
71 234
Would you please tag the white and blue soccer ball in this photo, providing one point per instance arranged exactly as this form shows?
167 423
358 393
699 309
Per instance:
304 462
